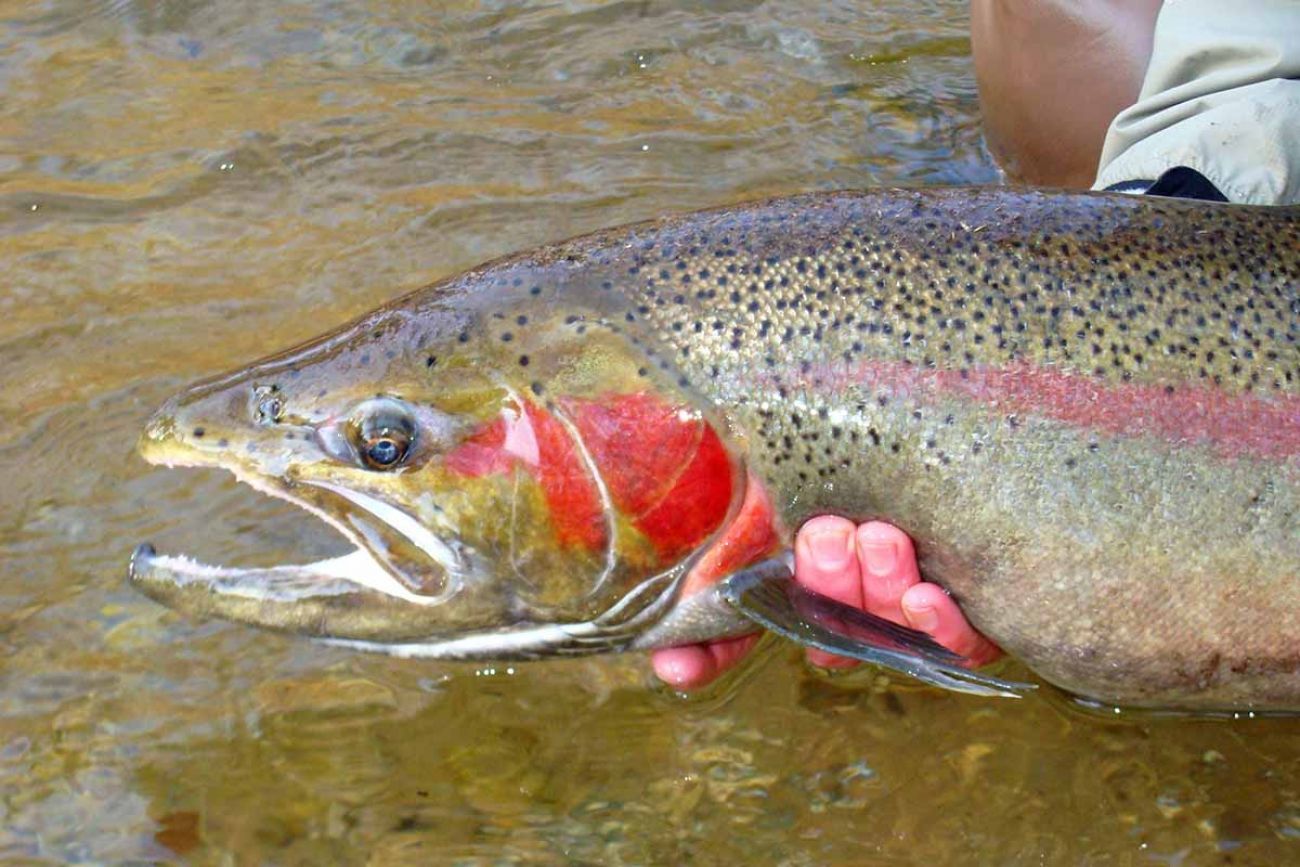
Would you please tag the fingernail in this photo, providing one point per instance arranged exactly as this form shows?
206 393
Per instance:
924 619
881 558
832 549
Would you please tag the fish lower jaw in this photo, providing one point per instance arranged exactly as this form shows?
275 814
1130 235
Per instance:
163 576
268 597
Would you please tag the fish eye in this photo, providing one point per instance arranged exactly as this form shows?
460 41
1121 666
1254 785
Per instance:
384 433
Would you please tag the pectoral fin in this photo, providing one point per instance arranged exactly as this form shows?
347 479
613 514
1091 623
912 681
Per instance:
768 594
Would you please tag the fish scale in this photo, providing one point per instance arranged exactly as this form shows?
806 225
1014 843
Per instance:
1084 409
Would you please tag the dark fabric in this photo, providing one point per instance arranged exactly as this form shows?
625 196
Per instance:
1179 183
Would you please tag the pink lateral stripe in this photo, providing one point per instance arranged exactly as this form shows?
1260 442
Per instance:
1235 425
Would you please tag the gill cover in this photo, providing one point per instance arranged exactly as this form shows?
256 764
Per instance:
588 473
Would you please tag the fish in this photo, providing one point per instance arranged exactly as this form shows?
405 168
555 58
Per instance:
1083 407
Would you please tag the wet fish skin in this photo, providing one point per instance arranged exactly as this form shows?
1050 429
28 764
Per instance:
1144 551
1084 409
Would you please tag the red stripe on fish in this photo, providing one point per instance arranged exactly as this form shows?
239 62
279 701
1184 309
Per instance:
663 465
640 443
1235 425
696 505
538 441
752 536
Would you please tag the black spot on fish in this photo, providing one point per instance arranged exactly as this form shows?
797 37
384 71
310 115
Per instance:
199 432
523 361
537 388
428 362
463 337
506 337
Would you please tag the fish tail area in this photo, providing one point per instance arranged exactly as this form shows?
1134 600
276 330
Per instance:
768 595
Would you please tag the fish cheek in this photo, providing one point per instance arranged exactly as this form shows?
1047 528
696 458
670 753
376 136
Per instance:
538 532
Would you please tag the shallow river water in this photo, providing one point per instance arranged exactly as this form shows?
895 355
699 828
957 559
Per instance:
187 185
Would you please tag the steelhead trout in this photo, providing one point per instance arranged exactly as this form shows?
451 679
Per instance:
1084 408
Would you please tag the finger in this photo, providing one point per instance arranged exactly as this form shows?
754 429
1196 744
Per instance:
888 568
692 666
825 561
928 609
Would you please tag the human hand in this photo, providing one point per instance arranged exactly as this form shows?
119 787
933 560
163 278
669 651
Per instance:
872 567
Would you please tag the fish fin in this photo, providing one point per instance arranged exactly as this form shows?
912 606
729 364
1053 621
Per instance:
768 594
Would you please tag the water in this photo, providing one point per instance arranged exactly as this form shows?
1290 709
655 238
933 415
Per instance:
186 185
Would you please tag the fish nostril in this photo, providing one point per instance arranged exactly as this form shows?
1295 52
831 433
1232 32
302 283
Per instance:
267 405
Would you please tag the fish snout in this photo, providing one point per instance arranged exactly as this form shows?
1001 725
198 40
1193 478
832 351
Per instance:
159 438
195 428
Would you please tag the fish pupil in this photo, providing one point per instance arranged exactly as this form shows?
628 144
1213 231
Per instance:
382 432
384 452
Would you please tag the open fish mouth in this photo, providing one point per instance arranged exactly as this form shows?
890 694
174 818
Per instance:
348 596
354 600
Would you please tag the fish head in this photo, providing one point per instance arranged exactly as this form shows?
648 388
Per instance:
496 462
